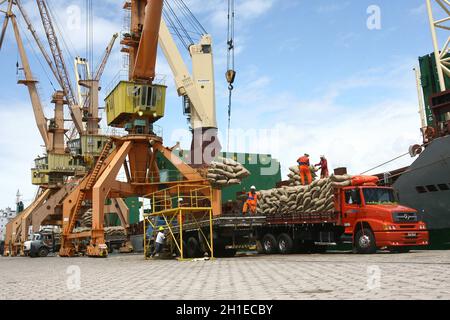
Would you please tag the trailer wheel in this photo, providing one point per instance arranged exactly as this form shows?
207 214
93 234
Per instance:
364 242
43 252
270 244
193 248
285 243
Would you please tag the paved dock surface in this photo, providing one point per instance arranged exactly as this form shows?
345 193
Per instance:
415 275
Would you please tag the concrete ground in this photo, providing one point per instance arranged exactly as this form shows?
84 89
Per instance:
415 275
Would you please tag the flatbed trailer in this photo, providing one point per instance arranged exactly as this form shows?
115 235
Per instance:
356 219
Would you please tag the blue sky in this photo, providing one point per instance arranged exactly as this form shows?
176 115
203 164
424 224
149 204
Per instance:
309 72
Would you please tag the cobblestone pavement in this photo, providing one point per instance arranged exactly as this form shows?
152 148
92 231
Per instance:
415 275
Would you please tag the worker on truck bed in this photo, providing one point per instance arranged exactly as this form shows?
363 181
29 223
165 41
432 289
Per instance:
251 202
159 242
305 170
323 165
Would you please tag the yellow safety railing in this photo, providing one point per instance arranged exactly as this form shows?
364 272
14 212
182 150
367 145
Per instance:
181 206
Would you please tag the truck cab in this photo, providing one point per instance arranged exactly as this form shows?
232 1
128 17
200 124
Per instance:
374 219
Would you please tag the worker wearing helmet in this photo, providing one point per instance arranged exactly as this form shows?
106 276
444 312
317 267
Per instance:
251 202
159 243
323 165
305 170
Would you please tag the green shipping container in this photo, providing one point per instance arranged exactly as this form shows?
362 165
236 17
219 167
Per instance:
265 172
430 83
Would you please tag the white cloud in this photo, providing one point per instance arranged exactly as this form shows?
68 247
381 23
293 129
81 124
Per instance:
20 143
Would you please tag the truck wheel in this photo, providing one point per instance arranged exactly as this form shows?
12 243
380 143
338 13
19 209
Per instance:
364 242
285 243
43 252
270 244
193 248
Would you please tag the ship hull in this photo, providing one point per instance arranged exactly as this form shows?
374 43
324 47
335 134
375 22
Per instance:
425 186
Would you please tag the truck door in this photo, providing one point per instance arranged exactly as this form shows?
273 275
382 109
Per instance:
351 207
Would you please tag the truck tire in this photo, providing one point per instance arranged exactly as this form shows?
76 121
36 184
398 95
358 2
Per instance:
285 243
364 242
270 244
43 252
193 248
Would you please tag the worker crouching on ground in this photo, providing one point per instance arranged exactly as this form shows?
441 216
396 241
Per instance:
305 170
159 243
323 165
251 202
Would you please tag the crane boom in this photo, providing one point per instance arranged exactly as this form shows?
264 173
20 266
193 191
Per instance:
144 66
38 40
60 64
41 121
101 67
5 22
200 92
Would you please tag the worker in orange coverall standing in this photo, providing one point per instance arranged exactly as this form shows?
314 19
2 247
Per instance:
251 202
305 171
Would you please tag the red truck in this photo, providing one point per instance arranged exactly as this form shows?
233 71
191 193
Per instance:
368 217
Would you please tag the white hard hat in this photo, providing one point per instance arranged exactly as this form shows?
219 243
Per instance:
252 188
180 199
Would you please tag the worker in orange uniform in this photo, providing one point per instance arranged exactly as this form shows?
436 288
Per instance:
304 167
251 202
323 165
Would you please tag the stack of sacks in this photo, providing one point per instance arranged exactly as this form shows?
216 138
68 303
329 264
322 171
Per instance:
225 172
294 175
109 231
115 231
317 197
342 181
86 219
81 229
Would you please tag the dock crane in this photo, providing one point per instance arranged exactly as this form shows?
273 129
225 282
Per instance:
60 64
51 169
52 133
136 105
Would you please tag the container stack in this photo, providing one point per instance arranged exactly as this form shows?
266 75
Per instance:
225 172
316 197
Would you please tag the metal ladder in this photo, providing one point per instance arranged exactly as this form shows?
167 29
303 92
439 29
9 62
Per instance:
90 183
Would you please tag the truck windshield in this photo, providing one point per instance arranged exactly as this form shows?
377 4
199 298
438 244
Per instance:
378 196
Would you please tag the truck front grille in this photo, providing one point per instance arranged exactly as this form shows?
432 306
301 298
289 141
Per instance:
408 217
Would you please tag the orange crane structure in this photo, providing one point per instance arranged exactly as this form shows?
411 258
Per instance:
136 105
52 170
